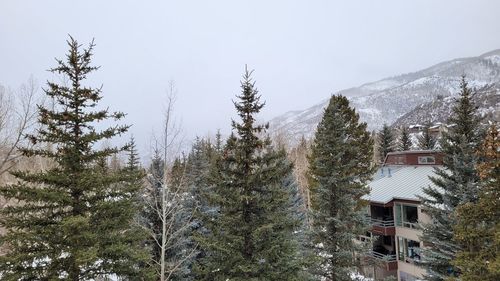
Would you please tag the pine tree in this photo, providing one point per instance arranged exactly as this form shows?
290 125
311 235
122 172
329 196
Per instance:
404 143
253 236
75 218
340 167
385 142
197 178
456 184
427 141
478 223
177 174
134 182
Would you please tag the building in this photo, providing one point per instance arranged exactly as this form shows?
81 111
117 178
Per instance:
394 213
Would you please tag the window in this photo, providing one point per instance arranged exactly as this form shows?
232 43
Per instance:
406 215
426 160
408 250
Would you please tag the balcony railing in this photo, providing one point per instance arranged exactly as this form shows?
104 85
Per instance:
381 256
412 225
385 222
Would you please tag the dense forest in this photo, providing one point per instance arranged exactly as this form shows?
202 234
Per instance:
248 206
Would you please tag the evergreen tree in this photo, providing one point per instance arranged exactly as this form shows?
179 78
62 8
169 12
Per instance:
456 184
298 210
427 141
134 180
75 218
177 174
385 142
340 167
253 236
197 178
478 224
404 143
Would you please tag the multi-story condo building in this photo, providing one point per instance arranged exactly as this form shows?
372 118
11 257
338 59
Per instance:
395 212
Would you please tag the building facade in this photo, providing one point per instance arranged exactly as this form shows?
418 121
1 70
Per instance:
395 214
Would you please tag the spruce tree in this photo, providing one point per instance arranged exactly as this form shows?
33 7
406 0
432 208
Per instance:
74 220
133 181
385 142
177 174
253 236
478 224
197 179
426 141
340 167
456 184
404 143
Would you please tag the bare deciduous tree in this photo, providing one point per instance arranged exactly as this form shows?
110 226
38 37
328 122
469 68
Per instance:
298 156
17 115
168 204
18 112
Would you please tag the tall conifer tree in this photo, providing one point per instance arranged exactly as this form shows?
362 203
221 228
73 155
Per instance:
427 141
385 142
253 236
75 218
478 224
404 143
340 167
456 184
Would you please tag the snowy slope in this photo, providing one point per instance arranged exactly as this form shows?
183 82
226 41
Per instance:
388 100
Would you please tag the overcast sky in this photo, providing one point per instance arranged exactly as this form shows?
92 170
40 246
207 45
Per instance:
302 51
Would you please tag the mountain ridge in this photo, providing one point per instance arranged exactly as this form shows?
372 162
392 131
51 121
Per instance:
387 100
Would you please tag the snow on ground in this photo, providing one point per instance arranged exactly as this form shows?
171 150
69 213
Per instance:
355 276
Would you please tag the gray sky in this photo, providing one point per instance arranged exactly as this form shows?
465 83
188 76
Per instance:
302 51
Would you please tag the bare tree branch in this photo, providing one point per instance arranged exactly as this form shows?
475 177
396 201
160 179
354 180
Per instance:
168 203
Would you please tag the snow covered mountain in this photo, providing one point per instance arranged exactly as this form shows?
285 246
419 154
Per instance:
438 110
406 97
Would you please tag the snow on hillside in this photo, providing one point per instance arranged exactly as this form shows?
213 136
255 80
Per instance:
389 100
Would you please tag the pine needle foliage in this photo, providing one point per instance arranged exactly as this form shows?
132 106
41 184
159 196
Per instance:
253 236
427 141
404 142
385 142
73 221
478 224
456 184
340 167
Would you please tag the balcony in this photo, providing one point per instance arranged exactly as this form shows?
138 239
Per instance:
385 222
387 259
382 220
382 226
382 256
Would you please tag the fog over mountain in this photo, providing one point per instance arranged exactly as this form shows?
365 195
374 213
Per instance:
425 95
